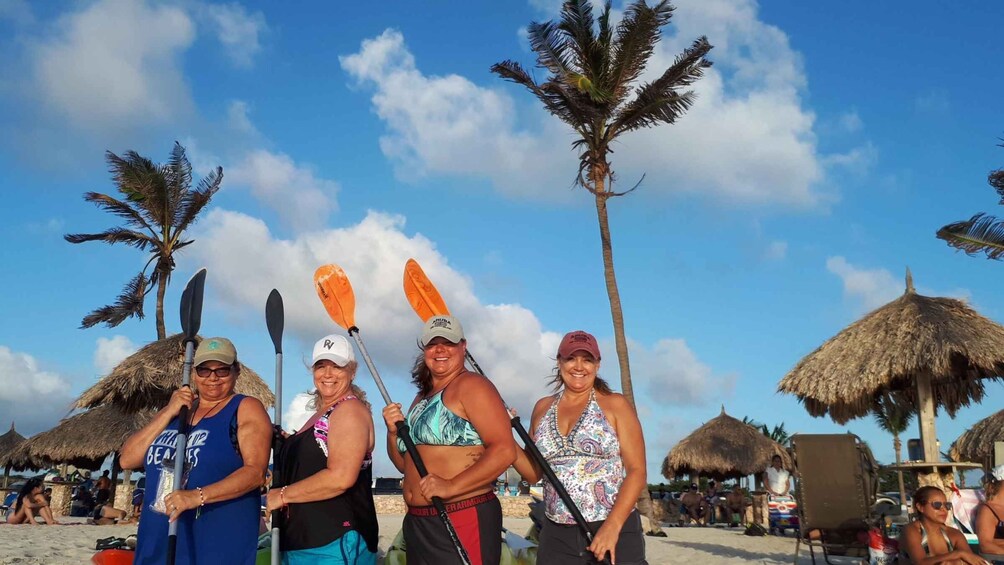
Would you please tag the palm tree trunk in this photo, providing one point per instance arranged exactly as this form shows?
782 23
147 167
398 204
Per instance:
161 290
612 293
898 446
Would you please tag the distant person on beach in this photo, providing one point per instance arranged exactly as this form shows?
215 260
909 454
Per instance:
735 504
593 440
927 540
228 447
104 513
461 428
990 517
31 505
692 505
103 487
777 479
712 500
325 470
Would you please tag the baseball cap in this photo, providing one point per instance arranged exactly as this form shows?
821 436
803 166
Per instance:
215 349
442 326
693 485
578 341
334 348
997 473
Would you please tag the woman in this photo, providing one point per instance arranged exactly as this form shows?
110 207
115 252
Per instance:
989 522
104 514
927 540
227 452
592 439
461 428
326 470
776 478
30 505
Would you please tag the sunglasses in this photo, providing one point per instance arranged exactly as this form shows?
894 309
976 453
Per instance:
938 505
220 372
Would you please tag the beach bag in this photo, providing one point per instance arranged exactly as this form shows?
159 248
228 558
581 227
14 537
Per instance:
755 530
882 550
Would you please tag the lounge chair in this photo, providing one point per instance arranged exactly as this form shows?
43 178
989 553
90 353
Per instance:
837 482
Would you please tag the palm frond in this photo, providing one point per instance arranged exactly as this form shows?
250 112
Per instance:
548 41
118 208
567 107
115 235
588 56
178 181
128 304
996 180
193 201
981 233
892 415
659 101
131 174
637 34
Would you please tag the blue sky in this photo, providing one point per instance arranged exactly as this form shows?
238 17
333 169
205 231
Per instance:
828 144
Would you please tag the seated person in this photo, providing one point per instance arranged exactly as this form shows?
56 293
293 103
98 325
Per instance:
31 505
927 540
735 506
692 505
137 496
777 479
82 502
989 522
104 513
711 502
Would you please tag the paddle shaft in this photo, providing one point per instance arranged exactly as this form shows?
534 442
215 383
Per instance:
409 444
180 448
276 558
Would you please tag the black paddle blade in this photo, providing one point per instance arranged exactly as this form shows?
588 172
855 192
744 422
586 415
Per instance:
274 318
191 304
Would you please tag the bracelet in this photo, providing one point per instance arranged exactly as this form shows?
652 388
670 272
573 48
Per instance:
202 497
282 496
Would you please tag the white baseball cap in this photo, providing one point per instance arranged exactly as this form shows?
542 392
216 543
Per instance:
334 348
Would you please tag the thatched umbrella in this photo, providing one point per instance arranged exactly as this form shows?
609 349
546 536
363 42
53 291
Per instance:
724 448
8 443
82 440
977 443
145 379
924 351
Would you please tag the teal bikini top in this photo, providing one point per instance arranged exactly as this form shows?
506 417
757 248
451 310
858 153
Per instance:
432 423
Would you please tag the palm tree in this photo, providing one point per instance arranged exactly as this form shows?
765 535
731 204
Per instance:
778 433
894 417
982 232
158 204
592 69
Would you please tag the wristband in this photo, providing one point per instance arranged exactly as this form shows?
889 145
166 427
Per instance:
202 497
282 496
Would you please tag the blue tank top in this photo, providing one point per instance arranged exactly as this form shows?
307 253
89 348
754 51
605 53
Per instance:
221 532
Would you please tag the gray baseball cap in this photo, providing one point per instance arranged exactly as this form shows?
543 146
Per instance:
442 326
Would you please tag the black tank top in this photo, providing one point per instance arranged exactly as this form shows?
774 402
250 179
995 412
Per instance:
999 530
309 525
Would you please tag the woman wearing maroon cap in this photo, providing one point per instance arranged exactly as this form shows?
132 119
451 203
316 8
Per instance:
592 439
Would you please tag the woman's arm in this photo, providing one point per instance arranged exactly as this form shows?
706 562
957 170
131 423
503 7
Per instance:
632 442
254 435
986 523
524 464
391 415
484 409
350 437
133 452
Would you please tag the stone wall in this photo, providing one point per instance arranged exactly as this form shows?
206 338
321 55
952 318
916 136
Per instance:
514 506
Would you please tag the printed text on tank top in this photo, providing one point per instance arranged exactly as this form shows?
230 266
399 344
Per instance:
587 462
432 423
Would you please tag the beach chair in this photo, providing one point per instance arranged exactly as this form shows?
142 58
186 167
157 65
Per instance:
837 482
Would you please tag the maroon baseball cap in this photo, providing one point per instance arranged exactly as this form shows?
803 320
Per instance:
578 341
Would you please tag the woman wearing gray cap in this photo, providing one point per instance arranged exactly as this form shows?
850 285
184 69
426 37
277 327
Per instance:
592 439
229 441
325 469
461 428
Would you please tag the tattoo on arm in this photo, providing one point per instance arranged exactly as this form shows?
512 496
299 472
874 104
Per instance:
473 457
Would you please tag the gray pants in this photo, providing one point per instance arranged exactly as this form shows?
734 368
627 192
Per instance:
562 544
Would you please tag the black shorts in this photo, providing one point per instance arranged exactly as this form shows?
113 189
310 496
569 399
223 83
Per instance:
562 544
478 521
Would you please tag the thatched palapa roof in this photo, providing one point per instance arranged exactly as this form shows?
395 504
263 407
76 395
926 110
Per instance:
724 448
977 443
886 349
83 440
8 443
145 379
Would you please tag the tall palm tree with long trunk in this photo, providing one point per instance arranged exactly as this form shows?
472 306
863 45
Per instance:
983 232
158 204
593 68
894 417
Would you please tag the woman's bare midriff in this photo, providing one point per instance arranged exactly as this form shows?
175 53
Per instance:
446 461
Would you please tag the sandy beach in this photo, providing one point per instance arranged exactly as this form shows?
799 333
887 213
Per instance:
73 544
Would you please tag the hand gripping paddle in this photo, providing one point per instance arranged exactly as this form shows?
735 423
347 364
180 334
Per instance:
335 291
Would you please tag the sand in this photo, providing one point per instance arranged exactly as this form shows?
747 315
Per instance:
74 544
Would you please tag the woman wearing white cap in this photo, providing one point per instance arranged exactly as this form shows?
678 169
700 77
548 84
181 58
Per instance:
592 439
325 469
461 428
990 517
227 454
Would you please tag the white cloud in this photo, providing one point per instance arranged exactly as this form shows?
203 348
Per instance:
238 118
748 140
34 399
850 121
302 199
112 351
776 251
871 287
115 65
296 413
670 373
237 30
